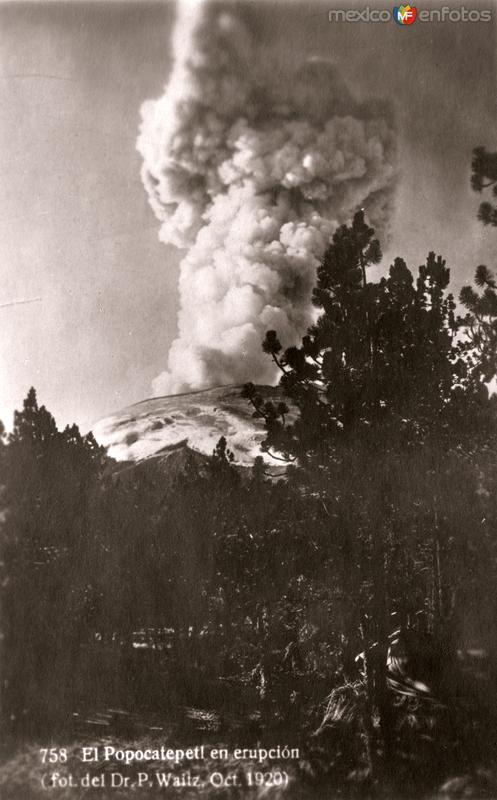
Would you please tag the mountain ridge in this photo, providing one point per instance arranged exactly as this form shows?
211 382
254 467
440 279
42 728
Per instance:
194 420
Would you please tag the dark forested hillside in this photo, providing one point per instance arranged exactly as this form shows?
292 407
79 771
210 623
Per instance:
348 608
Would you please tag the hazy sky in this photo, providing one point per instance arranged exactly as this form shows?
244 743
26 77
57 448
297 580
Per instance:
76 230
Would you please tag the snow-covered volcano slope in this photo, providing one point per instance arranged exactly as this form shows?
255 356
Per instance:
196 420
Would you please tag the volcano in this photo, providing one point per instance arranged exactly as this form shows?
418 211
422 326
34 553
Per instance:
194 421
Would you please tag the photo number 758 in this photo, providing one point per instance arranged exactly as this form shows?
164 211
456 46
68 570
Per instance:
53 755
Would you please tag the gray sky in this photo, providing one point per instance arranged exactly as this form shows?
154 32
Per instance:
77 232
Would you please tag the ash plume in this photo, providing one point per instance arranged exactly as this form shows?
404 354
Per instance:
250 164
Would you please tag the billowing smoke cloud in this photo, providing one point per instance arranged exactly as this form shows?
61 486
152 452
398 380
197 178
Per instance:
251 163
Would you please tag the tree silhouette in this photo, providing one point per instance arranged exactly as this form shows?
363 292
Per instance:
48 478
390 399
484 176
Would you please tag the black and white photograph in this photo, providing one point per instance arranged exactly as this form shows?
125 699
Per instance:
248 400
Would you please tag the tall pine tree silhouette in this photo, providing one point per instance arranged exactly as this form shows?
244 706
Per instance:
390 401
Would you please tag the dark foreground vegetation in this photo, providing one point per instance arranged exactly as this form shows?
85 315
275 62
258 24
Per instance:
348 609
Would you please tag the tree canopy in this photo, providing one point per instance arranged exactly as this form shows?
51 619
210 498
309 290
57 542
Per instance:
484 176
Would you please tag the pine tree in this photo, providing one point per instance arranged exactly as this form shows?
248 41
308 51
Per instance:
484 176
49 477
390 401
481 323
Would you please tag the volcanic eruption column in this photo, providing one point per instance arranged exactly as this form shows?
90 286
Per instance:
250 165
